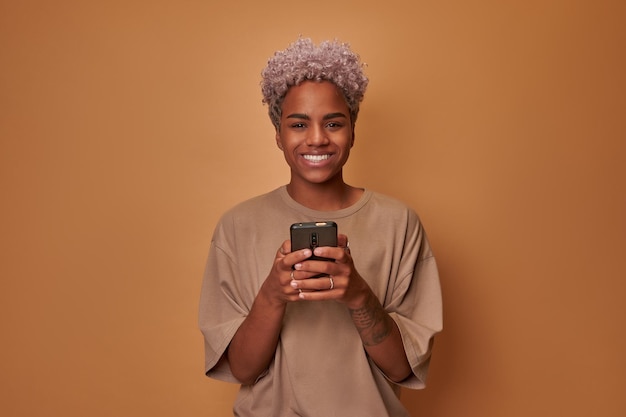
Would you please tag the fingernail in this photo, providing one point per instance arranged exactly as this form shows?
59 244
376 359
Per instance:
294 284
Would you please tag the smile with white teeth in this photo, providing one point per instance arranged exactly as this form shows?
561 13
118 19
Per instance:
316 158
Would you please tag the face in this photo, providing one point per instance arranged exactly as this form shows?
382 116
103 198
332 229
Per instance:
315 133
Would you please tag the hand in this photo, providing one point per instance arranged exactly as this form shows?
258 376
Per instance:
341 281
277 286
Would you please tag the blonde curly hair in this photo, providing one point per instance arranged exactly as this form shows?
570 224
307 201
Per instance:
330 61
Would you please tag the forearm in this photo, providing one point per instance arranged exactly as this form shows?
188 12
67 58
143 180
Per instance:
254 344
381 338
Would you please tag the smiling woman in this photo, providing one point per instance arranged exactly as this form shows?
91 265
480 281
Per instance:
268 319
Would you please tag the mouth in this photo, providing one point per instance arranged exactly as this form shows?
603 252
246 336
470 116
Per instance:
316 158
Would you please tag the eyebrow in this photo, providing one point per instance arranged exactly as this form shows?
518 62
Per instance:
305 116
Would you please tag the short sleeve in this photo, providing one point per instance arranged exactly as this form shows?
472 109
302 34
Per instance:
221 309
416 304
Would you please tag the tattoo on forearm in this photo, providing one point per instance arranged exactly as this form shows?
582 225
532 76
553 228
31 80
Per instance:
372 322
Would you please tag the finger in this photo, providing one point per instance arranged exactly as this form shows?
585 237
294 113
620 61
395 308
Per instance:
329 292
314 268
342 241
292 259
284 248
297 288
326 283
339 254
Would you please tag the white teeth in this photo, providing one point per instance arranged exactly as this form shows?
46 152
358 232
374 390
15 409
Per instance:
316 158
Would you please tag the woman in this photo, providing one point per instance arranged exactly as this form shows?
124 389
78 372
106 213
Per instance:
300 344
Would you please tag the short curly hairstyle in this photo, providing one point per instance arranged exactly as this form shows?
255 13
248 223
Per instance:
330 61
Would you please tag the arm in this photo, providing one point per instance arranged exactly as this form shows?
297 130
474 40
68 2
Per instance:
381 337
379 333
254 344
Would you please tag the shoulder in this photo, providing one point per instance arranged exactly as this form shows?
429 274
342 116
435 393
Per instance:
391 206
403 221
395 216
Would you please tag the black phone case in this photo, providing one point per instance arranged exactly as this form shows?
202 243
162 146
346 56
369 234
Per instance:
313 234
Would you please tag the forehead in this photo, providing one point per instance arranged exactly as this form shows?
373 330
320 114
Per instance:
314 95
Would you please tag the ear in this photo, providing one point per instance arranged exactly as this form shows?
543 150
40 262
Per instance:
280 146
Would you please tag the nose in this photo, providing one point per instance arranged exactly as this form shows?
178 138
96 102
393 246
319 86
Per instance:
317 136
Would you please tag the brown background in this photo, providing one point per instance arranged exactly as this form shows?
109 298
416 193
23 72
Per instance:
128 127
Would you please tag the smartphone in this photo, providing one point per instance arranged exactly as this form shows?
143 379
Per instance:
313 234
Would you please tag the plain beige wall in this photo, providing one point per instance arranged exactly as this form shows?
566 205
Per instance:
128 127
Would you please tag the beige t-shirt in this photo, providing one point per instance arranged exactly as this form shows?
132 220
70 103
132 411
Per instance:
320 367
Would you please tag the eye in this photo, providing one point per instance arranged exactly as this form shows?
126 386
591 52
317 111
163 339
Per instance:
334 125
298 125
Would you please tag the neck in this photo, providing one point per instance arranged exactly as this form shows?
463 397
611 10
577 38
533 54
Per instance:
324 197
